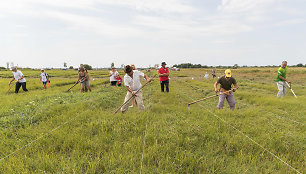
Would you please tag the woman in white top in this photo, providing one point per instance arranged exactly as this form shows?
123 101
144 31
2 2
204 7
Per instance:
113 74
21 81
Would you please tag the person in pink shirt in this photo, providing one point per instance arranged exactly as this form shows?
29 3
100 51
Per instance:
164 77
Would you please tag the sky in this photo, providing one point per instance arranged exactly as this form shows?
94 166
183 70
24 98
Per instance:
47 33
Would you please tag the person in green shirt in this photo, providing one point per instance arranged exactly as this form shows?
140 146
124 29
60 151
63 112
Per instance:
281 79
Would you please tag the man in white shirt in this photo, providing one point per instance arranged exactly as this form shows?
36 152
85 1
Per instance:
44 78
113 74
132 84
21 81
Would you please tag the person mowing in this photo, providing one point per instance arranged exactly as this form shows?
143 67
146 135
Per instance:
133 84
21 81
44 77
133 101
164 77
281 80
226 83
84 79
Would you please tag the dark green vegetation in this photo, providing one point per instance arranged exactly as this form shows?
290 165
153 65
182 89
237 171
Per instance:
60 132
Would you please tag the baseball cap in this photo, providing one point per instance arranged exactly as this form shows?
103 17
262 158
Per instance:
42 69
163 63
228 73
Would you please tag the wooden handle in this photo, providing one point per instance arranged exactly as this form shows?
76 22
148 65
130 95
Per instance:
134 94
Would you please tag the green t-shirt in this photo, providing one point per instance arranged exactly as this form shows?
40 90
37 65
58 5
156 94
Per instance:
281 72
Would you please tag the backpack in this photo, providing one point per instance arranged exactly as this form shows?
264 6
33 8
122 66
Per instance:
47 76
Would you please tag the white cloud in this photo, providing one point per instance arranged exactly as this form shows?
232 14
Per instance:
292 22
154 5
216 26
21 6
249 6
92 24
147 28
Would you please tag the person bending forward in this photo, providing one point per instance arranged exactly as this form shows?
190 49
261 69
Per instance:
226 83
21 81
132 84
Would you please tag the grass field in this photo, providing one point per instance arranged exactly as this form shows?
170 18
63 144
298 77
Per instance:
51 131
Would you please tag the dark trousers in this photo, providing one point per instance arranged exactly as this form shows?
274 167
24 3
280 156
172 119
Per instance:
163 84
113 83
18 85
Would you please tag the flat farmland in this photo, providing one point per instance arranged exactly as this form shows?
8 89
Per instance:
53 131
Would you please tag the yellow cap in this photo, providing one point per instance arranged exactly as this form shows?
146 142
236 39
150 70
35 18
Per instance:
228 73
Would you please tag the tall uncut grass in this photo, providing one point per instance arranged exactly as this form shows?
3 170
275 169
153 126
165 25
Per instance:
59 132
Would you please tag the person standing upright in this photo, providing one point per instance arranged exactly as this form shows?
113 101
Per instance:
281 80
164 77
213 73
21 81
226 83
44 77
113 74
206 75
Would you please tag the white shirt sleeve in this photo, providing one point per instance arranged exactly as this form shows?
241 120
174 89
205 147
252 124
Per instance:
126 81
140 73
20 74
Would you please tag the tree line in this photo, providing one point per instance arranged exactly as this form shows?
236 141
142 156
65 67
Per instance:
235 66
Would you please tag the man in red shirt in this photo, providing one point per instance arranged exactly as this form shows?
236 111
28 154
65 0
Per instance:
164 77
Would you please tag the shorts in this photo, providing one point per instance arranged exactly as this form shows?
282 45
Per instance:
45 82
85 83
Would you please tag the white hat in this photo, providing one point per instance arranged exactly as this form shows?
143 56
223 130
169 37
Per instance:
42 69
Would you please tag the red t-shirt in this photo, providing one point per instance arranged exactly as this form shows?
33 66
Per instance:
119 80
162 71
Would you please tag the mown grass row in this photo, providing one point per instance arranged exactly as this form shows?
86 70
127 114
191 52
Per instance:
281 136
177 140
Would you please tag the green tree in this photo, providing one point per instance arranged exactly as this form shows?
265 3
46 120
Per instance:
235 66
113 64
65 64
70 67
88 67
299 65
